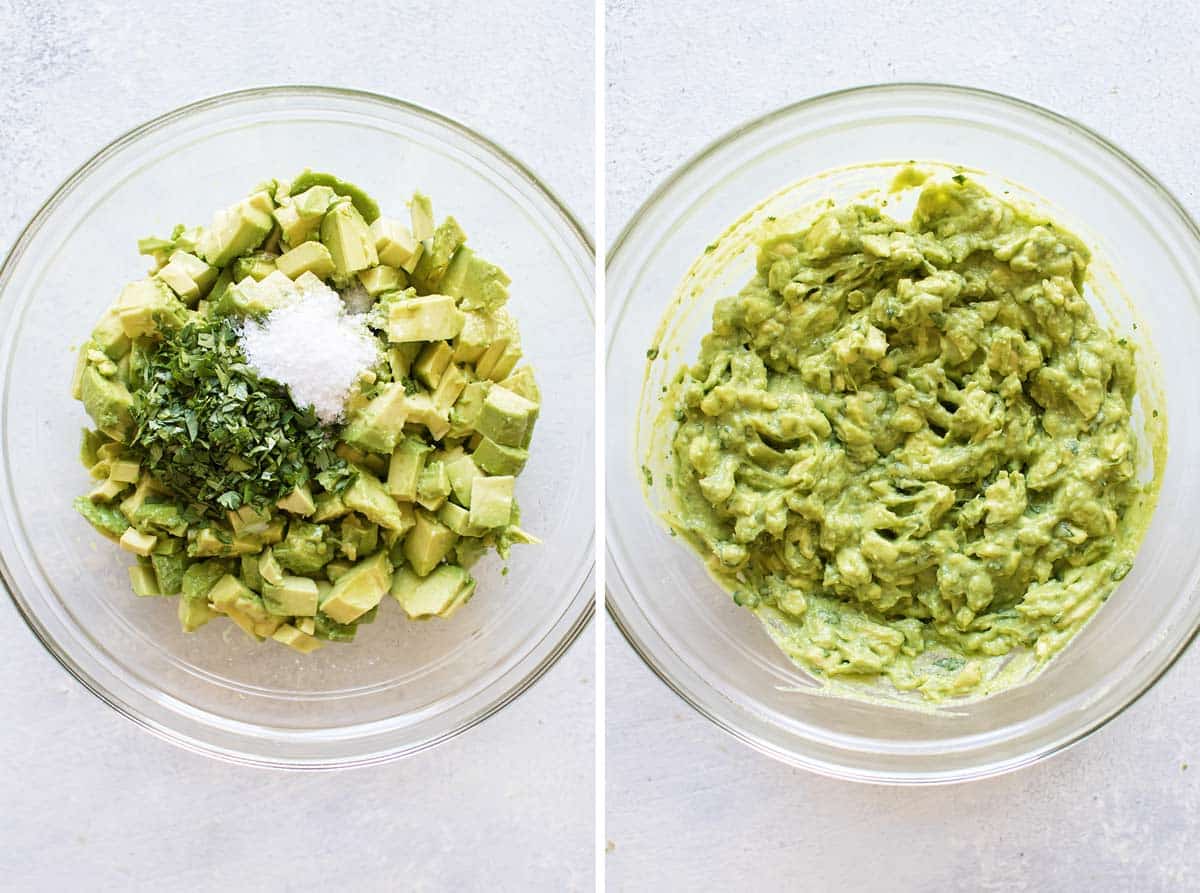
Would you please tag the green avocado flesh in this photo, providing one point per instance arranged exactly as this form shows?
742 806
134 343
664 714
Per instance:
239 498
908 446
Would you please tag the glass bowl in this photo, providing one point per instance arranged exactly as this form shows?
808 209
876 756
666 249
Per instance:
716 655
401 686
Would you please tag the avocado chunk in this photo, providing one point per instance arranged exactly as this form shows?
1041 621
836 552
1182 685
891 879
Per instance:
404 470
231 597
422 411
237 230
330 630
506 417
428 543
307 257
359 589
292 597
295 638
249 297
133 540
439 594
477 284
521 381
188 276
433 486
269 570
329 507
420 210
300 215
495 458
467 408
432 362
108 402
109 335
299 501
462 472
169 571
431 318
143 581
309 180
258 265
458 519
160 518
357 537
382 278
370 498
306 548
492 501
395 244
146 304
378 425
477 334
194 613
349 240
449 388
431 268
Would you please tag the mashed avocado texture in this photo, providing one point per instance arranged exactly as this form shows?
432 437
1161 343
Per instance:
908 446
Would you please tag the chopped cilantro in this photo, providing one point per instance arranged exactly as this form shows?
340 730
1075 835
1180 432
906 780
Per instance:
652 353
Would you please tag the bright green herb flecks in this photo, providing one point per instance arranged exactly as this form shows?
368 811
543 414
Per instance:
241 503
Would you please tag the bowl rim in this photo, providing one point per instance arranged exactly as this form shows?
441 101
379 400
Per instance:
644 650
572 226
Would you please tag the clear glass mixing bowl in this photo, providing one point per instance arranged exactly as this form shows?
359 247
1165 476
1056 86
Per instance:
717 656
402 686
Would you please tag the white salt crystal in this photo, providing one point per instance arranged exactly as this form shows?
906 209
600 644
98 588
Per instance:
314 347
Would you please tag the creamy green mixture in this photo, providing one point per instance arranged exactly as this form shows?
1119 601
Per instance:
908 447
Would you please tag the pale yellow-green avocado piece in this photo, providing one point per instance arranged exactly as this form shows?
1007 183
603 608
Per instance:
299 501
439 594
188 276
145 304
237 230
395 244
291 597
377 426
382 278
359 589
108 402
432 362
505 417
349 240
491 501
370 498
429 318
307 257
300 215
404 468
300 640
428 543
423 411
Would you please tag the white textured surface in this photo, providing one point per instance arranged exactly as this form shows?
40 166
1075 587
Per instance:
88 800
689 807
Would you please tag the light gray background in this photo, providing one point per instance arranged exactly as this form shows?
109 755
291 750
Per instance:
690 808
88 801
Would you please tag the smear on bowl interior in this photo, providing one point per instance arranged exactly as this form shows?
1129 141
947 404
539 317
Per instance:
304 407
909 446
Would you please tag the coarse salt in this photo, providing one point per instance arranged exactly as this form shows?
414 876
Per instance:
314 347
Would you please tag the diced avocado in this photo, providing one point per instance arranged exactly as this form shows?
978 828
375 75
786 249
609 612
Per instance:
433 486
404 470
428 273
269 569
292 597
449 389
249 297
298 502
188 276
207 542
358 537
401 357
456 272
395 244
307 257
249 520
359 589
237 230
233 598
133 540
163 518
506 417
337 568
306 625
484 286
89 442
350 244
431 318
306 549
370 498
329 629
300 215
462 472
420 210
258 265
458 519
200 577
145 489
478 332
125 471
169 570
382 278
467 408
439 594
491 501
422 411
296 638
194 613
522 381
432 362
107 490
109 335
365 205
427 543
329 506
218 290
146 304
496 458
378 426
143 581
250 573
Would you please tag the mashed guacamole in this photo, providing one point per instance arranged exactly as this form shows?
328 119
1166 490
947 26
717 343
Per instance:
908 447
